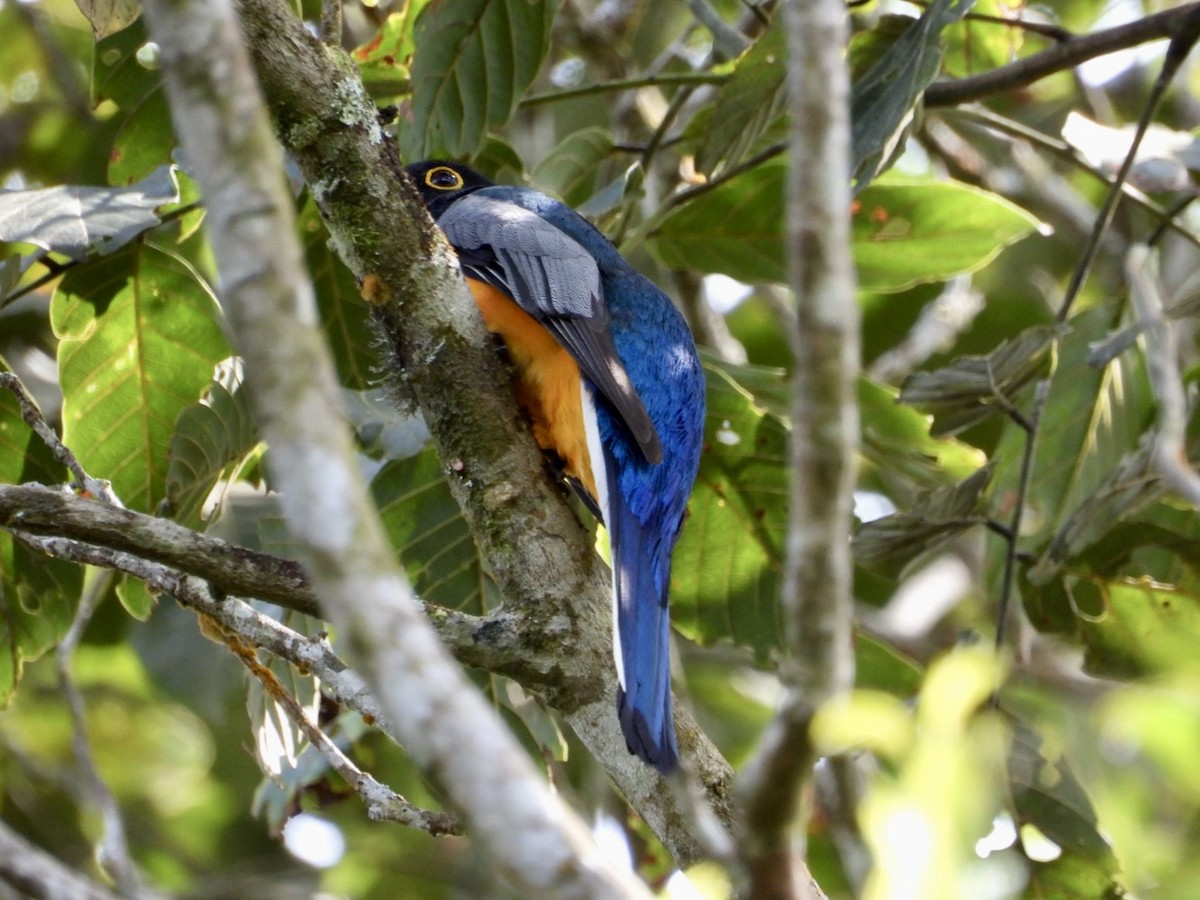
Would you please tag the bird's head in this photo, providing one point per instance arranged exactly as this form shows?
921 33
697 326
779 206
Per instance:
440 183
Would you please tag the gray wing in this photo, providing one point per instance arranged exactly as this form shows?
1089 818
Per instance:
554 279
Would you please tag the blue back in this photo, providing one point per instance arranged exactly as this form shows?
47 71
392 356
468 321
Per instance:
646 502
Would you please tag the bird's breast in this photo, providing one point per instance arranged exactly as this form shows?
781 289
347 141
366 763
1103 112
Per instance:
548 384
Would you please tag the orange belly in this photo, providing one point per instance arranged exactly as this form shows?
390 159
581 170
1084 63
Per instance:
548 385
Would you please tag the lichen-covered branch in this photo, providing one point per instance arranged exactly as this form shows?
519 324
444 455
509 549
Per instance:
543 560
817 579
530 837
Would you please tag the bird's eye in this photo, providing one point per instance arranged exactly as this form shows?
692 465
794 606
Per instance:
443 178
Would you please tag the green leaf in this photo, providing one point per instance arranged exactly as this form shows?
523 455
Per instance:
109 16
344 315
136 598
570 169
883 99
1091 419
898 450
974 388
73 220
385 61
1131 486
726 566
473 61
1047 794
210 436
144 141
117 73
892 542
37 594
429 534
1134 627
139 336
748 103
904 232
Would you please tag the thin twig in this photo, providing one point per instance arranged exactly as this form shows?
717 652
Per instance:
666 79
382 803
1045 29
1062 150
114 846
35 873
33 417
247 628
1176 53
1041 392
331 22
1055 59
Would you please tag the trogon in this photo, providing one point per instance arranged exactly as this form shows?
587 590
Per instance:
607 371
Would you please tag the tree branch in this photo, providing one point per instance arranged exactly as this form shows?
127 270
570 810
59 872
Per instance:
529 835
1065 55
35 873
542 559
817 578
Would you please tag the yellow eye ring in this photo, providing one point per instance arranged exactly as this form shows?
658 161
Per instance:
443 178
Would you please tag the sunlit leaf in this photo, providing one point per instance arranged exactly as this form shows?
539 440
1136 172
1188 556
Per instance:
473 61
72 220
904 232
139 337
1131 627
725 574
900 452
973 388
384 61
892 542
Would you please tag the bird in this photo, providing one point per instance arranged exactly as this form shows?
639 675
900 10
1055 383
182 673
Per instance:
607 371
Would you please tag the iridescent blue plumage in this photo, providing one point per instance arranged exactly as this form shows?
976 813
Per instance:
641 371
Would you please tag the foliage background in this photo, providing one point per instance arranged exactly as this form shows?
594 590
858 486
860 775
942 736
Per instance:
1082 783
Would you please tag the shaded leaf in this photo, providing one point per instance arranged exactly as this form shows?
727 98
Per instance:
1131 486
210 436
139 336
748 103
473 61
429 534
117 74
135 597
973 388
570 169
1047 794
725 572
109 16
73 220
1091 419
890 543
344 315
37 594
882 100
144 141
